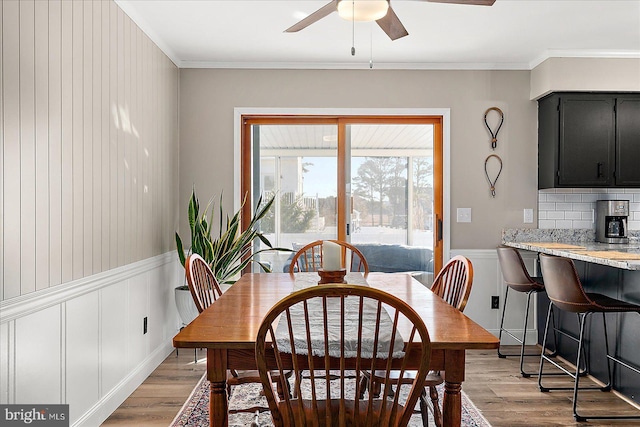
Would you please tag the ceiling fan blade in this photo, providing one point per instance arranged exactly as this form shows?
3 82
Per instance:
476 2
315 16
390 24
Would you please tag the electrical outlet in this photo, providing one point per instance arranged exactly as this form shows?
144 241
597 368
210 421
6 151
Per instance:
144 326
495 302
464 214
528 216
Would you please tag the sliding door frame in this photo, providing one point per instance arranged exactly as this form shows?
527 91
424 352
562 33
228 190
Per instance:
244 118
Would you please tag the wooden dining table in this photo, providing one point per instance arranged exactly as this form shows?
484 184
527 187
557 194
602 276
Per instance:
228 328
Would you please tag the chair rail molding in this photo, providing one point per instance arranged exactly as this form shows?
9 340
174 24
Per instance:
35 301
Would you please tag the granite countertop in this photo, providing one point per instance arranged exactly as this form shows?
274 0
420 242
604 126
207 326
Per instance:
577 245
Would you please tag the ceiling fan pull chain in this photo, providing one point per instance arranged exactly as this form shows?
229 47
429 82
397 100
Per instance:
353 28
371 46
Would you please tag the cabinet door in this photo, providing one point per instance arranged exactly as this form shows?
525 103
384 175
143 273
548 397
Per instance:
586 156
628 141
548 134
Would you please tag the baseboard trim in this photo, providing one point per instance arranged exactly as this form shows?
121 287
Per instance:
116 396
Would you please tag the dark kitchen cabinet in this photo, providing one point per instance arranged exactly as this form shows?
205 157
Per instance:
589 140
628 141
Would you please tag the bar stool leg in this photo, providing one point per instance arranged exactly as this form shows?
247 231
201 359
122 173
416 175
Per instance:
554 353
545 357
524 335
581 354
504 309
544 345
586 360
606 346
577 375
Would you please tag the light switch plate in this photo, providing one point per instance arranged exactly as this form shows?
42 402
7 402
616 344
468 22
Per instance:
528 216
464 214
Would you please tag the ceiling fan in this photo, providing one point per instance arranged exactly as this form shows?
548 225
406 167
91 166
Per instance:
371 10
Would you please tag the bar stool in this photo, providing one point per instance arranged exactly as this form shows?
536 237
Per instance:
517 278
566 293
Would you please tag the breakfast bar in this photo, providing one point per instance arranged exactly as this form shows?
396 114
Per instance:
609 269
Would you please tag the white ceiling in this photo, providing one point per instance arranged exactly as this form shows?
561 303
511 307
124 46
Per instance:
511 34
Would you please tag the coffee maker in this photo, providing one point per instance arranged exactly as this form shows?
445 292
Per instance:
611 221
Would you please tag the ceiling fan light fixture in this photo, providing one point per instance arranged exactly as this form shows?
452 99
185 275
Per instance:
362 10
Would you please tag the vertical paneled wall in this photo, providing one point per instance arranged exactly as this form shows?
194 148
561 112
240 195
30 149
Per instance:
89 140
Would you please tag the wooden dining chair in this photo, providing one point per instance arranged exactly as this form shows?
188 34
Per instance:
205 291
309 258
328 330
452 284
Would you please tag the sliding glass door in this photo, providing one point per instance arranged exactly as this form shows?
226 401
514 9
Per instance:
359 179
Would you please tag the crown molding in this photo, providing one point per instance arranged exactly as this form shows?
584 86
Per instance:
583 53
356 66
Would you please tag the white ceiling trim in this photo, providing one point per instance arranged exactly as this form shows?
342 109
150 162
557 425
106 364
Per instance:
557 53
356 66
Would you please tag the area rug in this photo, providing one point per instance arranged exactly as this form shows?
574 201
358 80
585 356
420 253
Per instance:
195 411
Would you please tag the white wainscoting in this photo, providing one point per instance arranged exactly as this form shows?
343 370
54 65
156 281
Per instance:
487 281
82 343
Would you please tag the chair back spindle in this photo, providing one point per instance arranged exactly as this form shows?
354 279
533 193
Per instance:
309 258
453 283
201 281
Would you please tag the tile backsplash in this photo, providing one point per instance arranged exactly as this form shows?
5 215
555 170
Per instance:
575 207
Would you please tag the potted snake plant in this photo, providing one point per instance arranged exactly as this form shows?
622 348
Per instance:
230 252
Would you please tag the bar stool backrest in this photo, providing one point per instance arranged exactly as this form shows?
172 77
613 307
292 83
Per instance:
514 271
563 284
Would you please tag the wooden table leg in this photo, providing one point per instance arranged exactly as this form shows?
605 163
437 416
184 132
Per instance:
452 404
218 399
452 399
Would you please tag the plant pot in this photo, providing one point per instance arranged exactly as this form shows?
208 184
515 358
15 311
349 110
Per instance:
185 305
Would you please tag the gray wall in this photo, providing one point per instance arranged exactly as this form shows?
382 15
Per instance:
208 97
89 142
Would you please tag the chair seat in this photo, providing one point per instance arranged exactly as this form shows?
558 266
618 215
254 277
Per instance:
603 303
535 286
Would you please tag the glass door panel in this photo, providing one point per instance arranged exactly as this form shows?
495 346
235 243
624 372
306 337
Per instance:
387 205
379 199
392 191
298 165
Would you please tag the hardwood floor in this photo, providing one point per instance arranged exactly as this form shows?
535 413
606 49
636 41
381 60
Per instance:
157 401
494 385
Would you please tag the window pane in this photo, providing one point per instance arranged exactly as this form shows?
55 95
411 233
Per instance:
379 211
298 165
